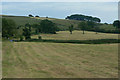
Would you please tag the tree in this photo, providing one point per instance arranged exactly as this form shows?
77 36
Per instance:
36 16
71 29
48 26
82 26
116 23
28 25
30 15
27 31
90 25
96 29
106 23
9 28
83 18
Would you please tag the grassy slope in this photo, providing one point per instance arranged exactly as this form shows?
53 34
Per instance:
21 20
61 23
25 59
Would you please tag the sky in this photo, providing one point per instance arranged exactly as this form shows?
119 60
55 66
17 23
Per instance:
60 0
106 11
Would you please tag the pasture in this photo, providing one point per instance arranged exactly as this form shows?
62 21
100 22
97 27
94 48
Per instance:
61 60
77 35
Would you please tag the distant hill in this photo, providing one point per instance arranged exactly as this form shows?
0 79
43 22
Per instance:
61 23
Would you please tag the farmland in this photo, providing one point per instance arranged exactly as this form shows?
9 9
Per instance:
61 60
77 35
55 55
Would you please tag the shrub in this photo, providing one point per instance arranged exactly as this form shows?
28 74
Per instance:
47 26
9 28
39 37
21 38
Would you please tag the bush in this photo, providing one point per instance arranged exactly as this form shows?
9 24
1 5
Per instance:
47 26
21 38
39 37
9 28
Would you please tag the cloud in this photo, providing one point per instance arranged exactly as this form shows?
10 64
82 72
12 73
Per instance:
107 11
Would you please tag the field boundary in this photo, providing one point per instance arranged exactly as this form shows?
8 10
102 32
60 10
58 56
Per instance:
97 41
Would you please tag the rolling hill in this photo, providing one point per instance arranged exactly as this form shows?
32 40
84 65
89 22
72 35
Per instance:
61 23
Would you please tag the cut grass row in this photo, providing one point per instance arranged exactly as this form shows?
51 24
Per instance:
59 60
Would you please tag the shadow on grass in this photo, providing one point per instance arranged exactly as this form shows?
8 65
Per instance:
98 41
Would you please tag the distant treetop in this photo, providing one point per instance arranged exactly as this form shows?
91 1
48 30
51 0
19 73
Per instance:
83 18
30 15
116 23
36 16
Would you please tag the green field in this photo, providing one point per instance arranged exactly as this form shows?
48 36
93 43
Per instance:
61 60
77 35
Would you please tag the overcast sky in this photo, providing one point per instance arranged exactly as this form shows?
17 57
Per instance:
106 11
60 0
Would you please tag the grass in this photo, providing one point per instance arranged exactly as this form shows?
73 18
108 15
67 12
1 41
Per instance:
62 24
22 20
59 60
77 35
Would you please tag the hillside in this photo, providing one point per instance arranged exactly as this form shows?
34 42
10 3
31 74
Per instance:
61 23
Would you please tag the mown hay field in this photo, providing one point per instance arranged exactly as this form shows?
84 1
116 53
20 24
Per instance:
61 60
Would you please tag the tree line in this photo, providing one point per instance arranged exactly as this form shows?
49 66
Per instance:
10 29
83 18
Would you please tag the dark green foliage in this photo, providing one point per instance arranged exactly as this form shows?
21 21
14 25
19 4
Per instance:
36 16
116 24
36 31
96 29
83 18
48 26
71 29
37 28
97 41
21 38
82 26
106 23
27 31
39 37
90 25
29 26
9 28
30 15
